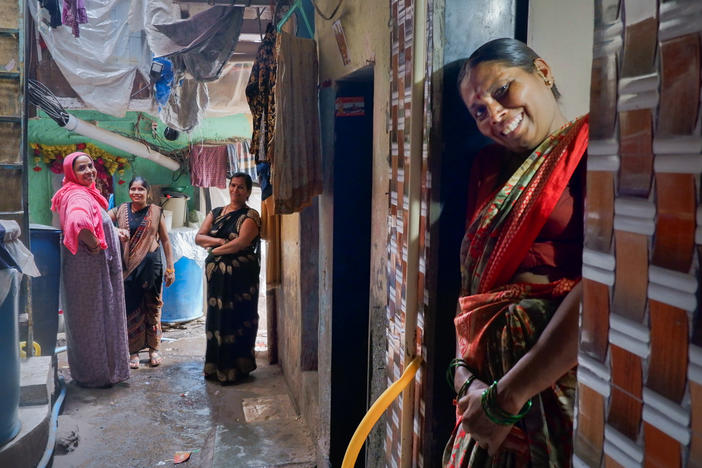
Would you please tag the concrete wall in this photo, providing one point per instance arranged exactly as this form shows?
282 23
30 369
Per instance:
365 24
566 45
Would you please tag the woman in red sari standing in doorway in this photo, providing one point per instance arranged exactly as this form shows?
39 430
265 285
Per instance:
517 317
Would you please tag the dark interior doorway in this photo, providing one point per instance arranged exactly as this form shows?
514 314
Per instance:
353 165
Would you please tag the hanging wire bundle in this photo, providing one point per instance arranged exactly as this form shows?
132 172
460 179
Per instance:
41 96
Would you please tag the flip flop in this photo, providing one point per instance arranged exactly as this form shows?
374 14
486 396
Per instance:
155 359
134 362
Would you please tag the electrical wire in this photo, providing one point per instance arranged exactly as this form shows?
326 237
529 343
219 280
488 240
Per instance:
319 12
41 96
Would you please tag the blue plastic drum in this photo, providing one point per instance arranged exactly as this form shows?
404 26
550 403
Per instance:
9 364
183 300
46 247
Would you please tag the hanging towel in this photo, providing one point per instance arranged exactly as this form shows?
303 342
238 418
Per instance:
232 159
208 166
239 159
296 168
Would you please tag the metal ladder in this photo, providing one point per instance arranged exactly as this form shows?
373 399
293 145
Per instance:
14 204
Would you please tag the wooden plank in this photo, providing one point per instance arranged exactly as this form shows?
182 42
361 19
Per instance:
10 135
661 450
595 319
675 225
599 210
627 388
9 14
11 183
631 275
667 366
589 439
636 150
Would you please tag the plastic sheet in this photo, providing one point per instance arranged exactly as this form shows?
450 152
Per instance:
183 245
102 63
19 253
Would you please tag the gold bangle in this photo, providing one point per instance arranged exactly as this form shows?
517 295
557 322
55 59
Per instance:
170 270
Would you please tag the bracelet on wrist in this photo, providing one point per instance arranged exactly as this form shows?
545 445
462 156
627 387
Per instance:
497 415
170 270
464 388
450 372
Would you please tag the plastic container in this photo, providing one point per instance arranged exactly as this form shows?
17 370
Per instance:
9 364
46 246
179 208
183 300
168 218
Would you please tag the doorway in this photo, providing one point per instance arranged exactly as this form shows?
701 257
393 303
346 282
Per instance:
352 188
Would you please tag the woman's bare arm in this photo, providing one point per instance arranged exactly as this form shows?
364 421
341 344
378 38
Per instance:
202 239
248 232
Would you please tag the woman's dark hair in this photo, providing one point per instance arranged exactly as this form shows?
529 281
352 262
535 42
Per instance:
246 177
141 180
508 51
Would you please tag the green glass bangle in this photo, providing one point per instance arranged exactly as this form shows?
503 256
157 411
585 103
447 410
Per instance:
450 372
464 388
496 414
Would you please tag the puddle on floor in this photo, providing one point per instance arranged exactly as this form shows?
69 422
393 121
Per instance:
268 408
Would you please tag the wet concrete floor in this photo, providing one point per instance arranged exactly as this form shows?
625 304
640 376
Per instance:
144 421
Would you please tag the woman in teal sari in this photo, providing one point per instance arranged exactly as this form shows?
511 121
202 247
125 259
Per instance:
517 318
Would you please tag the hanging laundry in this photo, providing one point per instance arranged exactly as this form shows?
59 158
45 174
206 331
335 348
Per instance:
296 167
52 7
241 160
259 94
208 166
263 169
74 14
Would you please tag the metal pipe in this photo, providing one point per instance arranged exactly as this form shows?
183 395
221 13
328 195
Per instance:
107 137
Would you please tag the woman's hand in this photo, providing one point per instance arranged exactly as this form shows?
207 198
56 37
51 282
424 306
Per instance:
487 434
221 241
123 234
169 276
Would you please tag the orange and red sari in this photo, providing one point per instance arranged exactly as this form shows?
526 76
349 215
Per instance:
499 321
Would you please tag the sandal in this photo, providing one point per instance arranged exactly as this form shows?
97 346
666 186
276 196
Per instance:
154 359
134 361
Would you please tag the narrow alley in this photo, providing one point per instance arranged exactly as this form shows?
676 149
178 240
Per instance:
350 233
161 411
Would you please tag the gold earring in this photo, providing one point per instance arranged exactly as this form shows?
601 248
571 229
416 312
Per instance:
549 83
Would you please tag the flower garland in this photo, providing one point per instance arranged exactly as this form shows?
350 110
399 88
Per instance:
53 156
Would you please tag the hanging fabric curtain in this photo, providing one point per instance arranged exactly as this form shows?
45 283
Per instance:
297 165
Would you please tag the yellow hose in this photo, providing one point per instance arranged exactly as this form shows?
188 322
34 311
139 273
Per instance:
375 411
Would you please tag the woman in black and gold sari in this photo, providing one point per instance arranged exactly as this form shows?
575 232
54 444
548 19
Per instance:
231 236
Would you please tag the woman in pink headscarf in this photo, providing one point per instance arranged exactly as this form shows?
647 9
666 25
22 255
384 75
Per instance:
95 315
